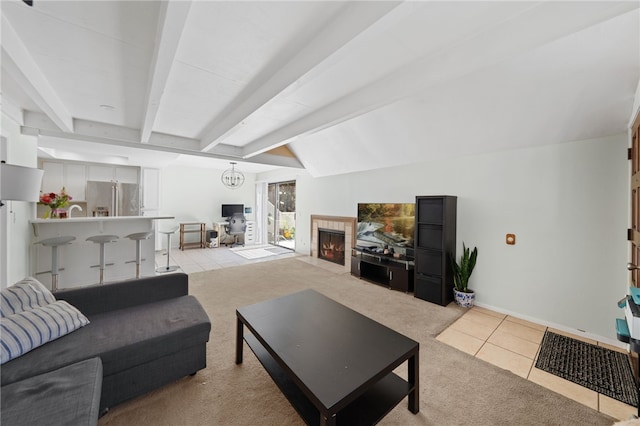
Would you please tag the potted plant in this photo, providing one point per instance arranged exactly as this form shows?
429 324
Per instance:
56 203
461 273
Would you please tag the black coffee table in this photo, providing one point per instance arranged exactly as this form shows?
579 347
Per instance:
332 363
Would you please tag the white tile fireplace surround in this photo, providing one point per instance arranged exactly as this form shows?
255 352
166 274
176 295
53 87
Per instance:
338 223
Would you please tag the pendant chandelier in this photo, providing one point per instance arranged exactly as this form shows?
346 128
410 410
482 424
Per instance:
232 178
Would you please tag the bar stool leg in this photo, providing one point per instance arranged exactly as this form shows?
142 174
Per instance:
138 249
102 240
137 237
168 250
102 262
54 269
169 267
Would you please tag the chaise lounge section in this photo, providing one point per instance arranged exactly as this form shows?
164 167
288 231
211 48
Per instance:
147 333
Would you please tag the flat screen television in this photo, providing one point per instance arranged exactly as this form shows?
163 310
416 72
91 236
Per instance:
228 210
381 224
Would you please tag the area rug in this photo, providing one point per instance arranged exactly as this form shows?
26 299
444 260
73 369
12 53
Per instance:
254 253
597 368
279 250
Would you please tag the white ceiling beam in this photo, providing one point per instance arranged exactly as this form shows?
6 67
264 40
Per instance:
479 51
348 23
277 160
37 124
83 128
21 66
228 150
11 110
172 141
171 23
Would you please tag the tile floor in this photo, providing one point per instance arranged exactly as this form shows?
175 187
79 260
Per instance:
513 344
198 260
502 340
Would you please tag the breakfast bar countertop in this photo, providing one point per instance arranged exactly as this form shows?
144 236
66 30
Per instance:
96 219
80 259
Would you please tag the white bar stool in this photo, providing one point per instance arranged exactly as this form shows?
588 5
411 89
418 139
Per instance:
168 268
54 243
102 240
138 237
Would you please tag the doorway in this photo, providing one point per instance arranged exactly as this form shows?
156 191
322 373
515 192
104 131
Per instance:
634 234
281 214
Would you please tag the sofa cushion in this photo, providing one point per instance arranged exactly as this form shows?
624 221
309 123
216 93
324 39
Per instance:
26 330
23 296
123 339
67 396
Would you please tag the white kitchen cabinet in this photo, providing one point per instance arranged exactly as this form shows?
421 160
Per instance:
150 189
73 176
53 178
108 174
75 180
126 174
100 173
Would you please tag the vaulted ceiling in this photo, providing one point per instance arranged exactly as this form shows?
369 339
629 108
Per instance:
332 87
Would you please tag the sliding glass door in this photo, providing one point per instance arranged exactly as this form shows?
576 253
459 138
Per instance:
281 214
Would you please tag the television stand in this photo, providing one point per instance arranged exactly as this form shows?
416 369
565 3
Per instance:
385 270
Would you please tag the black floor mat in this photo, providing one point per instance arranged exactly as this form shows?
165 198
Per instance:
597 368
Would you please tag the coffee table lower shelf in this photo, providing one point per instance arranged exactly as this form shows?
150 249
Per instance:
368 409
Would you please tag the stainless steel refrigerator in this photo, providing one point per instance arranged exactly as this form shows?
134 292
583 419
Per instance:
112 199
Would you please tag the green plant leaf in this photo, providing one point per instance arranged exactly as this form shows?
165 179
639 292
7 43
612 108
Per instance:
462 271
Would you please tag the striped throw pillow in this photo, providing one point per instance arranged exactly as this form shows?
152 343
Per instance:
24 331
23 296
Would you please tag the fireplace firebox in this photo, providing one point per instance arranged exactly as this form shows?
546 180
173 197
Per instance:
331 245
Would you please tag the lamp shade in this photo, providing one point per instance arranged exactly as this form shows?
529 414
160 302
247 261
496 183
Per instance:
20 183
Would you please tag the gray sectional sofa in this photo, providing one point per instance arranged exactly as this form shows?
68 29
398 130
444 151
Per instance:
142 334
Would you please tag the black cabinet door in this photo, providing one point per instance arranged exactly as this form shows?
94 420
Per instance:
430 289
429 262
430 210
430 236
401 279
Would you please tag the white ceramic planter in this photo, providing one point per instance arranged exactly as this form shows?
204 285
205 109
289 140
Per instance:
465 300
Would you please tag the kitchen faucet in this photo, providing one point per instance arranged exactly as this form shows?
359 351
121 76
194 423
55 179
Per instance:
75 206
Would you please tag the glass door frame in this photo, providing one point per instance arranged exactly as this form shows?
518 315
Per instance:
281 223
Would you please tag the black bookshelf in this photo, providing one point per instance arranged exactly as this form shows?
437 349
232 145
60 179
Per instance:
435 245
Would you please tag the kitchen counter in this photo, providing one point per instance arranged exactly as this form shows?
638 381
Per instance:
97 219
79 260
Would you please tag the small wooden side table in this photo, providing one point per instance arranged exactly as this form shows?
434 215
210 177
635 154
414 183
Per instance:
190 229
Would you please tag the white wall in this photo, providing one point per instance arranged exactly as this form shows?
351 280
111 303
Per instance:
15 230
566 203
192 194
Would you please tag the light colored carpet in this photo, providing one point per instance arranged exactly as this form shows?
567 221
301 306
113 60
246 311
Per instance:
455 388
